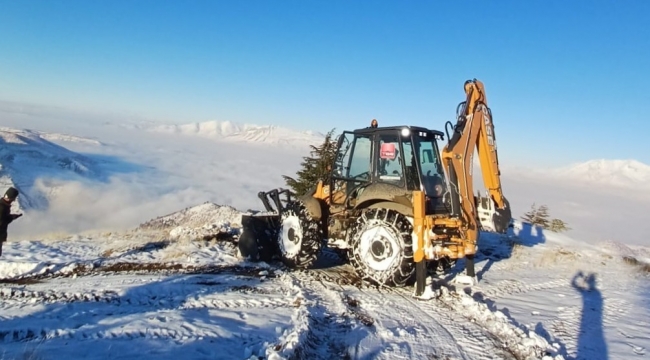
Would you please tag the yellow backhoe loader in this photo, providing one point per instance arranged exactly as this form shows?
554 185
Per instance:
394 202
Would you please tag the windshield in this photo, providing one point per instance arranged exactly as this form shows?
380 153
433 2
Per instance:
397 164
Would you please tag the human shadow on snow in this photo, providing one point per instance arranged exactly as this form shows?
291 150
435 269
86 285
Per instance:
591 343
591 339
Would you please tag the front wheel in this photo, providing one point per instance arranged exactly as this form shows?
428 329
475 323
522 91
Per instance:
300 238
382 247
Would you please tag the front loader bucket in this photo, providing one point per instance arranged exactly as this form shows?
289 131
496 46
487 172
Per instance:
258 233
259 230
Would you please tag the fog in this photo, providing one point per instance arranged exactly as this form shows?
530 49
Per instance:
147 174
594 213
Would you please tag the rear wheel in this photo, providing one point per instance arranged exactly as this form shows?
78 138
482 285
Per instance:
300 238
382 247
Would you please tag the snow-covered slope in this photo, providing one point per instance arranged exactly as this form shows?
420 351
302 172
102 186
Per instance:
29 157
206 214
249 133
627 174
67 138
202 221
541 295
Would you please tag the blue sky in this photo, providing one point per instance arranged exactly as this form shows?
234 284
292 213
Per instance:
566 80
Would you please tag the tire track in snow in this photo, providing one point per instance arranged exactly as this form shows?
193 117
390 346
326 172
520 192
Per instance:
329 324
16 297
425 332
469 337
27 334
88 269
174 296
480 332
323 324
508 338
510 287
159 302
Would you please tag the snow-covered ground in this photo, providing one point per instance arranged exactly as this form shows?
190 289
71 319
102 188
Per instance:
123 253
152 292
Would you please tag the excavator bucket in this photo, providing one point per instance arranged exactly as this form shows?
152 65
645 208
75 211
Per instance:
260 229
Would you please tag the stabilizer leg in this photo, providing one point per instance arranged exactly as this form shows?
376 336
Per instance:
420 277
469 265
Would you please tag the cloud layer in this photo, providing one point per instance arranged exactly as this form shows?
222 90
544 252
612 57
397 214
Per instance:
153 174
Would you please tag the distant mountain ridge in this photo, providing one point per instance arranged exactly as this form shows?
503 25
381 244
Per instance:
247 133
27 155
619 173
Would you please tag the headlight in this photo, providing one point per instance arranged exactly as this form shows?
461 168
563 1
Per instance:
406 132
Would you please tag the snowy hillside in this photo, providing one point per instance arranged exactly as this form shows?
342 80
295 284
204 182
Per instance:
29 161
66 138
140 294
203 221
229 131
629 174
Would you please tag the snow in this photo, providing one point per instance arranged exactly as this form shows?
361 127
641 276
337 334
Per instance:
590 210
95 294
620 173
248 133
136 257
54 137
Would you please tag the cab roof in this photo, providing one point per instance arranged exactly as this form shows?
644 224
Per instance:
370 130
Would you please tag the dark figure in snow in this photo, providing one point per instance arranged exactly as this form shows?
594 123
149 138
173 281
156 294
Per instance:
6 217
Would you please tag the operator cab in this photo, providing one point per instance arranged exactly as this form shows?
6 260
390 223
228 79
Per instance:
404 157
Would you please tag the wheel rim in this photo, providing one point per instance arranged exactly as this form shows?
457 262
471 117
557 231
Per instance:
379 248
291 236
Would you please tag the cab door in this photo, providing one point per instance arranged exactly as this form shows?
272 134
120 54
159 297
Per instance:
353 165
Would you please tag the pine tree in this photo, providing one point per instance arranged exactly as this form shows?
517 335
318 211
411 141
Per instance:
529 216
540 217
537 216
316 167
558 225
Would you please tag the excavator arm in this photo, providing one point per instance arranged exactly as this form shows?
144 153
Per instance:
474 130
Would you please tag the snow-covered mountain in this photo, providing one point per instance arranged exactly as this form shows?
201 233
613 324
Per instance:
249 133
28 156
67 138
618 173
